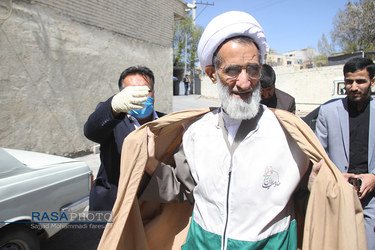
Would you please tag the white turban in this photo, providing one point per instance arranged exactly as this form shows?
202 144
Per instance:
227 25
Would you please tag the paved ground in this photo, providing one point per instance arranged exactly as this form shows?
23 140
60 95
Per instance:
88 238
183 102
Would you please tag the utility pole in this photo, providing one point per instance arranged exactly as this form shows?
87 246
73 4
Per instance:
194 17
201 3
189 7
185 54
194 12
192 7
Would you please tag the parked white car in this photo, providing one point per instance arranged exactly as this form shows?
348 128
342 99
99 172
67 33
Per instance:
338 88
36 188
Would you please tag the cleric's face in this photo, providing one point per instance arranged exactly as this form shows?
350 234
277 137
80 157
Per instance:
237 79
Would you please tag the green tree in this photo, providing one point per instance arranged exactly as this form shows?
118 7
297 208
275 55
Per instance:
353 27
324 47
321 60
186 33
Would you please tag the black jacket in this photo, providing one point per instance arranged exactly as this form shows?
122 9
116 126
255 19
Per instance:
281 100
109 131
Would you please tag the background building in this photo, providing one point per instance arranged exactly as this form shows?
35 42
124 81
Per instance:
343 58
302 59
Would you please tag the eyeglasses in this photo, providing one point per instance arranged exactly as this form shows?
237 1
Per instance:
233 71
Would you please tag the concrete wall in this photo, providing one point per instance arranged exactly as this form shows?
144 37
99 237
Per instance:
310 87
55 67
146 20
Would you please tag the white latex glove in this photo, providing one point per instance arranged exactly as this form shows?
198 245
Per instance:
129 98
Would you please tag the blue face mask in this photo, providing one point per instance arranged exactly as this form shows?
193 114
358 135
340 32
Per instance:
146 111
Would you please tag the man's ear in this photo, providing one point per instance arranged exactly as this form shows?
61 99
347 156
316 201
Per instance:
210 71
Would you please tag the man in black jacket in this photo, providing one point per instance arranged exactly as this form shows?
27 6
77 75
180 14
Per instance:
271 96
111 122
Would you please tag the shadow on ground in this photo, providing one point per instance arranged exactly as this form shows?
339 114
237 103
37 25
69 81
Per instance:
77 236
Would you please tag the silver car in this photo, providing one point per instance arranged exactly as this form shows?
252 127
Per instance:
37 193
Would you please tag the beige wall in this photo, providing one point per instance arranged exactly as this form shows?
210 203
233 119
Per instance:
310 87
55 68
145 20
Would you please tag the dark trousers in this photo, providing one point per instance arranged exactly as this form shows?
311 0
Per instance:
186 88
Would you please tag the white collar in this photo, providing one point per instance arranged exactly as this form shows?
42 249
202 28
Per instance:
231 125
135 121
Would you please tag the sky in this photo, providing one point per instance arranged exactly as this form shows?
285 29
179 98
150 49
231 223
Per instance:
288 24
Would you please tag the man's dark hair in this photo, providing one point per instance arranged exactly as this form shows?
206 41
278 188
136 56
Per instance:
267 76
359 63
141 70
216 60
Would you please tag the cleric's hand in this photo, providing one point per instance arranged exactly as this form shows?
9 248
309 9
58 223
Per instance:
314 172
152 162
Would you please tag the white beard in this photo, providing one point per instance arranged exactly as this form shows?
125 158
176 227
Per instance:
238 108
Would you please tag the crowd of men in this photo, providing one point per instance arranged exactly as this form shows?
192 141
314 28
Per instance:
239 167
